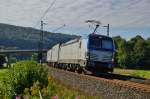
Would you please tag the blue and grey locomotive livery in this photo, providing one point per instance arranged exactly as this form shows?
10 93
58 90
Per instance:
100 53
94 54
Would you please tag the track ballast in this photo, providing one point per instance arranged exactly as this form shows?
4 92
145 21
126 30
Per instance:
103 86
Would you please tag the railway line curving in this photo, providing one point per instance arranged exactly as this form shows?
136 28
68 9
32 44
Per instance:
103 87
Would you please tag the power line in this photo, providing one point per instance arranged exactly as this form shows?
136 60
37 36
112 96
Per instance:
47 10
58 28
125 8
136 21
130 5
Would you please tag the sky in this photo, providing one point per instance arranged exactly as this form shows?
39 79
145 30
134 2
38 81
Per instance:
127 18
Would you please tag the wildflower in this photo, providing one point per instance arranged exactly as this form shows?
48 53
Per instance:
77 97
55 97
26 97
17 97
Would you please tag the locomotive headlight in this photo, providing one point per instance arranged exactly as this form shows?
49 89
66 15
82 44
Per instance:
112 60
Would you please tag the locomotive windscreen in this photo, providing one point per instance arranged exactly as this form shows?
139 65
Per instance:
107 44
100 43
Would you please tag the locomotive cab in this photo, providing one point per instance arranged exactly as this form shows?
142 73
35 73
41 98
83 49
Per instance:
100 53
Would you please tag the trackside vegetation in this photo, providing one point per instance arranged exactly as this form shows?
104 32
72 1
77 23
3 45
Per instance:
29 80
133 53
134 73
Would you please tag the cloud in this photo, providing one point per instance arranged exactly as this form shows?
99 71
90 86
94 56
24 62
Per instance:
118 13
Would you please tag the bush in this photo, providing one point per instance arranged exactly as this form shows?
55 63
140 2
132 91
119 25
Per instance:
5 86
26 73
2 60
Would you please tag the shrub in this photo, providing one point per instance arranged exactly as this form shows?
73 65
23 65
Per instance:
25 73
2 60
35 89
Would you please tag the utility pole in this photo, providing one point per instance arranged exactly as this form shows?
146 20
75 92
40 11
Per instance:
107 29
40 55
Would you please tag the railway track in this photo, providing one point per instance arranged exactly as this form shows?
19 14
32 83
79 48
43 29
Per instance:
115 85
123 78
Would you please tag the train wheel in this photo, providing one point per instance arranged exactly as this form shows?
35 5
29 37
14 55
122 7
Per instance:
60 66
68 67
72 67
84 71
65 68
55 65
79 69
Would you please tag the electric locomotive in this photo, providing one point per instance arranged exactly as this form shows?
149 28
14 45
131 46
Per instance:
100 51
94 54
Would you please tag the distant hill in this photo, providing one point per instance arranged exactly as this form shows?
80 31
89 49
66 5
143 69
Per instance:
16 37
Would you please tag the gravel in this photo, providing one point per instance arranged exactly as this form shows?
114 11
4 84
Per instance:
97 87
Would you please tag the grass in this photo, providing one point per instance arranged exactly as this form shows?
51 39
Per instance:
135 73
56 90
65 92
3 72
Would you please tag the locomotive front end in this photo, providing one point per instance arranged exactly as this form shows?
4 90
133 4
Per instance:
100 53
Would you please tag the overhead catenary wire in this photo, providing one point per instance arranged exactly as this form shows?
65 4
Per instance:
135 21
46 11
40 54
128 7
115 11
106 15
58 28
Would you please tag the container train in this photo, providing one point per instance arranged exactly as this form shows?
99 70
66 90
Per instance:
93 54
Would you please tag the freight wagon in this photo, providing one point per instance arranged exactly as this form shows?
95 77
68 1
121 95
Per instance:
93 54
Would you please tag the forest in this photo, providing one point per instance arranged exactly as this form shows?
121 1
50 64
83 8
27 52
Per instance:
133 53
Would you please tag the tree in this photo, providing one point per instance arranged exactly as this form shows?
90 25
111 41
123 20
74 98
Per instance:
121 55
147 55
138 51
133 54
2 60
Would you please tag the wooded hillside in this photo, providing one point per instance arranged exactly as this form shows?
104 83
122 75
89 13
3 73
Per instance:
15 37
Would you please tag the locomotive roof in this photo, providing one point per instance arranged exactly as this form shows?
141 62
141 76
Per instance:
98 35
71 41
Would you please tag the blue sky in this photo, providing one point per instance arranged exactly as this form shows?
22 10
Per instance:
127 18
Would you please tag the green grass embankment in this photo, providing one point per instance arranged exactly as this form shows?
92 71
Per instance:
135 73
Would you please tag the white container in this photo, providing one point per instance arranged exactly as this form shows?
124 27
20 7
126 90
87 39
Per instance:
52 54
49 55
73 52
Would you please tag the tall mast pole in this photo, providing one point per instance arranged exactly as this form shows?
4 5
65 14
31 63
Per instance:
107 29
40 55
